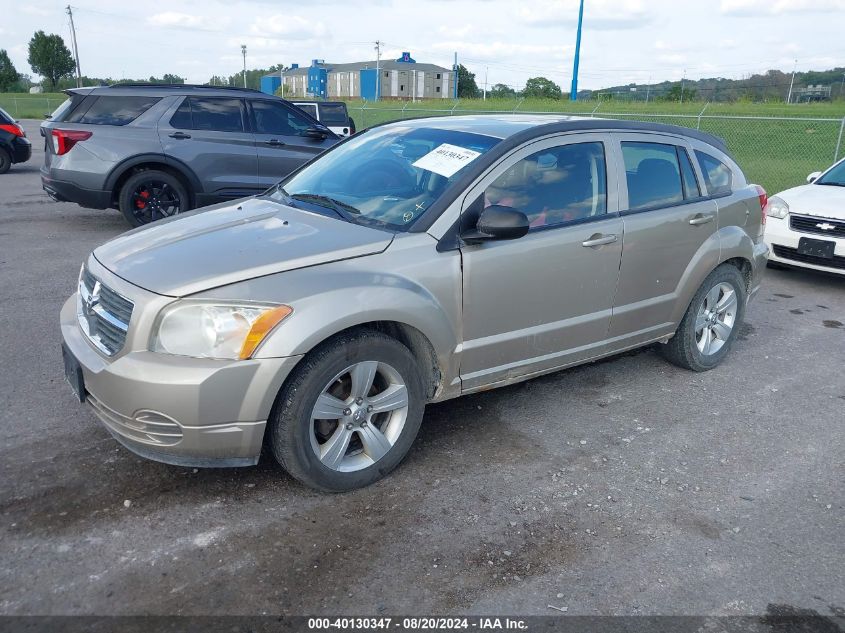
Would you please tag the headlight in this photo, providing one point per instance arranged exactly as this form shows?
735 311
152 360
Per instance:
208 330
777 208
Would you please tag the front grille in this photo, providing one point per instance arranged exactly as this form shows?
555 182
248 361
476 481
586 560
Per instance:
808 224
792 253
103 314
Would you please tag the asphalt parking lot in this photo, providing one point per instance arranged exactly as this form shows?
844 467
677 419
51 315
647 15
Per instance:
627 486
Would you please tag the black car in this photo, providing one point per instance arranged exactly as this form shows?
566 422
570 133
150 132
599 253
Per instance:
14 146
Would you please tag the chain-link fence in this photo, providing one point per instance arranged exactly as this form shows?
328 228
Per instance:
29 107
775 152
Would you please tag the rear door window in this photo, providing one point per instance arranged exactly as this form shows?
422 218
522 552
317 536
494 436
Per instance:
717 175
653 175
219 115
333 114
112 110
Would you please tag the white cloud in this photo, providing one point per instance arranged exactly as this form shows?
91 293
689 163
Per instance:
186 21
598 14
291 27
503 50
779 7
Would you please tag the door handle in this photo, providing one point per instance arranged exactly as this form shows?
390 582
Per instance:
180 135
599 240
274 141
701 219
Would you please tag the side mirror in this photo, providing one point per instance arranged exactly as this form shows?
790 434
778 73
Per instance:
315 133
498 222
813 177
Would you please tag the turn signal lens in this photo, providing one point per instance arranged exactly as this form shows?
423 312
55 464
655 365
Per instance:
261 327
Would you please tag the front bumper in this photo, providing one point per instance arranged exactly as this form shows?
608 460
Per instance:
783 244
179 410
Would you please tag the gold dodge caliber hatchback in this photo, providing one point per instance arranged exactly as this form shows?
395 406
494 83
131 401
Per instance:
412 263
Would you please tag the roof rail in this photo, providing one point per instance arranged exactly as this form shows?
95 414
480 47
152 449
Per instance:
142 84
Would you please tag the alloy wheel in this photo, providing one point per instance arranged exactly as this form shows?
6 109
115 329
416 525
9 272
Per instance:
715 319
359 416
152 200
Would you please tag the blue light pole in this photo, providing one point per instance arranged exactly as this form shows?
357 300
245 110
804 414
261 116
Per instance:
573 95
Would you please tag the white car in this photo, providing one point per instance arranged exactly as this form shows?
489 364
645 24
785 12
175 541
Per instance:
806 224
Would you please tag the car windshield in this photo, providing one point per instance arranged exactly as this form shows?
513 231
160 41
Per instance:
836 176
387 176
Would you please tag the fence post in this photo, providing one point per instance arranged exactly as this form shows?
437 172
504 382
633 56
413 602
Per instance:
15 99
698 122
839 141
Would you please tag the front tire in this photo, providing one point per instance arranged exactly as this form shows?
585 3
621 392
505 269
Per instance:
151 195
712 320
349 413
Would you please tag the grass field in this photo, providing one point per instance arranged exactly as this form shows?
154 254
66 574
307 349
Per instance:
777 151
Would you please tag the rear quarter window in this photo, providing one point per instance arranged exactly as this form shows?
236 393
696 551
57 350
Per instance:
333 114
717 176
112 110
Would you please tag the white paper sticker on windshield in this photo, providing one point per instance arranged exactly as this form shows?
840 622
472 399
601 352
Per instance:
446 159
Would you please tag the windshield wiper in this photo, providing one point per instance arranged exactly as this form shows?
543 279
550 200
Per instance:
341 208
832 184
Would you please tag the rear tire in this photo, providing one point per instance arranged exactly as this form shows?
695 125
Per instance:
349 412
5 161
712 320
151 195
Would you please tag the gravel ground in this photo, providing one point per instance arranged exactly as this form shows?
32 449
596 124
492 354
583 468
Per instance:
622 487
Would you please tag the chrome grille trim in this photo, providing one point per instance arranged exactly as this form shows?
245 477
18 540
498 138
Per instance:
810 224
103 314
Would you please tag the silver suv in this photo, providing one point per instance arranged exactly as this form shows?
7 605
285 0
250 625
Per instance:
154 150
412 263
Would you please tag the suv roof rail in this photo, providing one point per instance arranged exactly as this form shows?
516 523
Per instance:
142 84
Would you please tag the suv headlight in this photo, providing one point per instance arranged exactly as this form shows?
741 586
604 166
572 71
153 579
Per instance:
210 330
777 208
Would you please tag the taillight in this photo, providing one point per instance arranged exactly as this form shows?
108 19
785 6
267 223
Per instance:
66 139
764 200
13 129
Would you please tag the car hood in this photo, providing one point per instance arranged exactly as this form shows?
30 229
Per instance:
823 200
233 242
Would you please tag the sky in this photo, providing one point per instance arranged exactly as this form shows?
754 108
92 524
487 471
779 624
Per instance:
506 41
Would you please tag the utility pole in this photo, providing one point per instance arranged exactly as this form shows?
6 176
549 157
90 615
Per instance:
573 94
683 79
378 68
456 74
243 52
648 89
75 49
486 69
842 88
282 78
791 83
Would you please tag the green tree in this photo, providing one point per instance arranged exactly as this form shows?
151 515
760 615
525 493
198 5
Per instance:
49 57
467 88
542 87
501 91
675 94
9 76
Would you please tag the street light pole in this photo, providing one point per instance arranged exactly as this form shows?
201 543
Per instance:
243 52
573 95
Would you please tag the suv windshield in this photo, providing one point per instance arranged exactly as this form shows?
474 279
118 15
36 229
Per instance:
836 176
387 176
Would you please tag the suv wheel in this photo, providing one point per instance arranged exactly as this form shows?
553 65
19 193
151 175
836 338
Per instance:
711 322
5 161
349 413
151 195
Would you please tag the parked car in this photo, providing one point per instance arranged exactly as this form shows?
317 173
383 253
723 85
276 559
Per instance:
332 114
14 146
156 150
806 225
323 315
